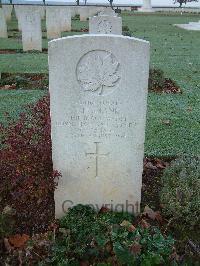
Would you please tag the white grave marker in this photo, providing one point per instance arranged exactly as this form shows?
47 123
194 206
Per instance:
105 25
146 7
17 12
3 26
98 93
30 20
84 13
65 18
53 22
107 11
7 9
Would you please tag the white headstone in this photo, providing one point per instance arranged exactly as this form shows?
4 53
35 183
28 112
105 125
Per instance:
31 29
65 18
17 12
194 26
84 13
53 22
3 26
105 25
98 95
73 11
7 9
94 10
146 7
107 11
42 11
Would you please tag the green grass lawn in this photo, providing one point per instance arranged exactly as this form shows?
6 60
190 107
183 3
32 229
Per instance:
173 121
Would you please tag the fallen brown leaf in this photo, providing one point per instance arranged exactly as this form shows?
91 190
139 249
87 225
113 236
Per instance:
128 225
18 241
149 165
159 218
136 249
149 212
103 210
144 224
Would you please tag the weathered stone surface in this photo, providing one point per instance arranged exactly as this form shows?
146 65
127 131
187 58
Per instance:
30 19
93 10
53 22
74 11
17 11
42 11
7 10
107 11
84 13
98 93
105 25
146 7
65 18
3 26
191 26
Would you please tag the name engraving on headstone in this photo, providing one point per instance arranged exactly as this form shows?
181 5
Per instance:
103 119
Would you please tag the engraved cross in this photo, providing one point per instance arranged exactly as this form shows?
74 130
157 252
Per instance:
97 155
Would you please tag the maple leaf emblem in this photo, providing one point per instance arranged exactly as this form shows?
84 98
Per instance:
98 71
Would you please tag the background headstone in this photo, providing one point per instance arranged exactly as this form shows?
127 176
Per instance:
84 13
31 29
190 26
73 11
98 95
65 18
42 11
17 12
7 9
146 7
94 10
53 22
105 25
107 11
3 26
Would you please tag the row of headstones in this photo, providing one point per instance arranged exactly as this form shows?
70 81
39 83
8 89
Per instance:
5 15
58 19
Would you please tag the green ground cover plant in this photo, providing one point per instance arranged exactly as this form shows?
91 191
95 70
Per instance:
86 235
180 197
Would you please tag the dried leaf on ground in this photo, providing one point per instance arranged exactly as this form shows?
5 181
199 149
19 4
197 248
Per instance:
136 249
18 241
144 224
